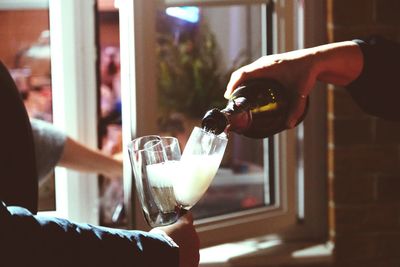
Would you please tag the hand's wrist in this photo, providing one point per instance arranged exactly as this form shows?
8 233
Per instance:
337 63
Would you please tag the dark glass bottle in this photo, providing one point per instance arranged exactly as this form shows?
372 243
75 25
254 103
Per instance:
257 109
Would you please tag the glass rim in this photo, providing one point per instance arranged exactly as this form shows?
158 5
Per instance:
160 138
133 141
221 136
174 141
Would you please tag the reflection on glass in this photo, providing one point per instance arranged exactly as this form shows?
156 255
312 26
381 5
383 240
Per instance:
25 50
195 61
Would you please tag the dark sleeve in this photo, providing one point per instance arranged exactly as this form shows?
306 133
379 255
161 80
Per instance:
377 89
18 176
28 240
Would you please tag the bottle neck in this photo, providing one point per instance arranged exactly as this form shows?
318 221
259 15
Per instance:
238 118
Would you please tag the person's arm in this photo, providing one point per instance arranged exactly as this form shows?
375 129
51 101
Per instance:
337 63
28 240
53 147
79 157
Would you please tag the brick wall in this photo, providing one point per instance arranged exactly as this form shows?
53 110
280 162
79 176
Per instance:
364 152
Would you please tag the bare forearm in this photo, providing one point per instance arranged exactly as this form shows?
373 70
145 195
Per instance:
338 63
81 158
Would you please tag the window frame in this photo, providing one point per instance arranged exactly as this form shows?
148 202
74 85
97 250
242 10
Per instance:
74 83
137 49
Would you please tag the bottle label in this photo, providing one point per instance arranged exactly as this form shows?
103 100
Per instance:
268 107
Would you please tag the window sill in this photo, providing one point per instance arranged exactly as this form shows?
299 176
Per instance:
267 253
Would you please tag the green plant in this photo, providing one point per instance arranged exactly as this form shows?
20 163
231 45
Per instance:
189 76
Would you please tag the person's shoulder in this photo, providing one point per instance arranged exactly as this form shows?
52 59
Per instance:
8 211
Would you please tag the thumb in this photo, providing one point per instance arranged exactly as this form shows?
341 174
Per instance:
297 111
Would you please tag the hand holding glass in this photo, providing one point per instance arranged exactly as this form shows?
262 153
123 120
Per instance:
167 182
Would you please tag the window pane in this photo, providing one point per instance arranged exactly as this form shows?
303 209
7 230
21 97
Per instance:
196 54
25 50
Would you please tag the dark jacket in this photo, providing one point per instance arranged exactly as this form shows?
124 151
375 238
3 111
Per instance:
377 89
31 240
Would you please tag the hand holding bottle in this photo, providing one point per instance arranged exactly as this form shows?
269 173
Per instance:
337 63
258 108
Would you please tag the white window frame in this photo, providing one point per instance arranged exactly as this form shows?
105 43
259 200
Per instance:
74 91
137 22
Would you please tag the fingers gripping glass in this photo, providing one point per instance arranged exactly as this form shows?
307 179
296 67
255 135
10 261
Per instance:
168 183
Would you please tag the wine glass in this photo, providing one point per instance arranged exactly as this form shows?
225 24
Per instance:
198 165
153 159
167 183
